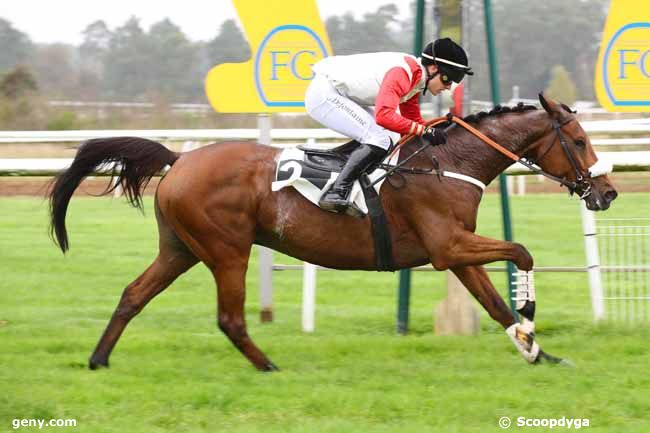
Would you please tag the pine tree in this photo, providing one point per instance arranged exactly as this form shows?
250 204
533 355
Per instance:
561 87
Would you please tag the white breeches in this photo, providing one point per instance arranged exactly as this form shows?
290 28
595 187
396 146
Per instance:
341 114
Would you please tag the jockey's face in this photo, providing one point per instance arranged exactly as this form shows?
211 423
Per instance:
436 85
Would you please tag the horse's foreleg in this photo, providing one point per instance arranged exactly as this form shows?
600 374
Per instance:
467 248
477 281
230 277
522 334
158 276
465 252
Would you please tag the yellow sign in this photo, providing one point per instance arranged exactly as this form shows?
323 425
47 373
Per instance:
286 37
623 69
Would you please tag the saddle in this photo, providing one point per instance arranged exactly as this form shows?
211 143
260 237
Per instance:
329 159
312 171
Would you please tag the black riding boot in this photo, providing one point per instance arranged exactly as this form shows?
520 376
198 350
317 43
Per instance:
361 158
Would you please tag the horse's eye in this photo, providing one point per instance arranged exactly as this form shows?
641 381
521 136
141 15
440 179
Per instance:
580 144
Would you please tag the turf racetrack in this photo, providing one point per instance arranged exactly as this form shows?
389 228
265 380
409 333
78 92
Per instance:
174 371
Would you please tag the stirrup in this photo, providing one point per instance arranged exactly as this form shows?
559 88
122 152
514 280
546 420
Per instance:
353 210
336 204
347 209
343 206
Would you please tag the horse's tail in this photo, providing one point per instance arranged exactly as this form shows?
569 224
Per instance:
136 161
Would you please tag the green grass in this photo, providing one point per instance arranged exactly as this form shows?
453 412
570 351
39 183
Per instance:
174 371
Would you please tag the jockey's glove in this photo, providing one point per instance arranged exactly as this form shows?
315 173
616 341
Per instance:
434 136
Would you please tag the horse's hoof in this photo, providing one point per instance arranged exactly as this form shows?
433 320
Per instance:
544 357
269 367
95 365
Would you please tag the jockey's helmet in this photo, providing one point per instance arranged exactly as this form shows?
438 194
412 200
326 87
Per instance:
449 57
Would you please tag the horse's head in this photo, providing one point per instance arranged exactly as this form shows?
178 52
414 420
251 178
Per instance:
565 151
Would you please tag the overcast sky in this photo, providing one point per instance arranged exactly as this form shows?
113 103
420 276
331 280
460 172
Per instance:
64 20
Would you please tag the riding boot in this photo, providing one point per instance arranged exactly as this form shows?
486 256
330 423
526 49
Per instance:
361 158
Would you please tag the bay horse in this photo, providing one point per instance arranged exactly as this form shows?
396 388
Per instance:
215 202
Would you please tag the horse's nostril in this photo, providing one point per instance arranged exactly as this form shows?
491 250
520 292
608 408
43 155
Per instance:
610 195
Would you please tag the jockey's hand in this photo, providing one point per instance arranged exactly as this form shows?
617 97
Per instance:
434 136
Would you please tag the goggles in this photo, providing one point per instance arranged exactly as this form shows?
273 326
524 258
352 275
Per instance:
445 78
449 74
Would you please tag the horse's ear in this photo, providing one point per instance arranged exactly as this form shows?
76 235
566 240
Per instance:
544 102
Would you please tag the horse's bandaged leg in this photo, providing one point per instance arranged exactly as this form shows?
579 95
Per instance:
524 341
523 334
524 295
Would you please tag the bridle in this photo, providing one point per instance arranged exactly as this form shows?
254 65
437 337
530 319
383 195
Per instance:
581 185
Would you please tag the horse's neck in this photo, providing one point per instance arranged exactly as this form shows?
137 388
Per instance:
471 156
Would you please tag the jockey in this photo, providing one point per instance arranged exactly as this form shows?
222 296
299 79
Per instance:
344 89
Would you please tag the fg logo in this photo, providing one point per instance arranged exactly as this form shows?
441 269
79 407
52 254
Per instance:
622 75
283 64
626 66
286 37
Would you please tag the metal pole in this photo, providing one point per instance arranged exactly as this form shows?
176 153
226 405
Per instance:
265 254
593 261
503 188
466 32
404 295
308 297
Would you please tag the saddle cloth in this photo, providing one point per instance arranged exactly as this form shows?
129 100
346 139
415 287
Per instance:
312 175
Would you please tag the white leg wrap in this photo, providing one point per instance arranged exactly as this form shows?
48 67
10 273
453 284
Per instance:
525 288
523 337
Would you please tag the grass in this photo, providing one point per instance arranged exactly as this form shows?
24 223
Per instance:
174 371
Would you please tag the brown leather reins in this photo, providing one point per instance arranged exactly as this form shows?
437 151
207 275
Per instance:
581 185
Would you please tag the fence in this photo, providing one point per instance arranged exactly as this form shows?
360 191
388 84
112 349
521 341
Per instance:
624 245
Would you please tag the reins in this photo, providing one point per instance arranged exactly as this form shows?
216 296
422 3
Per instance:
579 185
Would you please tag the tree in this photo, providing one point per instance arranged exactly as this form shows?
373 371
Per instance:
174 60
92 53
56 70
16 46
531 37
95 45
127 64
229 46
18 83
561 88
373 33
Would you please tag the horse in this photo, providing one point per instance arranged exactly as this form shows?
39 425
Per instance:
216 201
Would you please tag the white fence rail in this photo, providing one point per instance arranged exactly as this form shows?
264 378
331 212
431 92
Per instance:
612 127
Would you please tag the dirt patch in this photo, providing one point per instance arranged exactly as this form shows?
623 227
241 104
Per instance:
38 186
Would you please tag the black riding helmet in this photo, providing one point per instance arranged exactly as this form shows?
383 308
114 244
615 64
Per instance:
450 59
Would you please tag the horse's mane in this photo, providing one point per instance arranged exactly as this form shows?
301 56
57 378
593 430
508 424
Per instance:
499 109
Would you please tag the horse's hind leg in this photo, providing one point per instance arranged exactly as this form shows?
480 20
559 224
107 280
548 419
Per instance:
230 278
225 249
173 259
169 264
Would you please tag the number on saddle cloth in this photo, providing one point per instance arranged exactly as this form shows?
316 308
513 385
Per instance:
312 171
